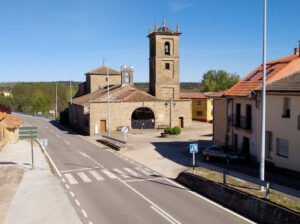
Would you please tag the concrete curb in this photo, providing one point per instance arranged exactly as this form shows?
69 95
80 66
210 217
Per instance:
255 208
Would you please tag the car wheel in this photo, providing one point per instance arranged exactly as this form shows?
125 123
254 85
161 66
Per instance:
207 158
227 160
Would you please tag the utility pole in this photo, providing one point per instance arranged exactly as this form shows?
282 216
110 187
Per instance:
263 101
56 101
108 100
71 92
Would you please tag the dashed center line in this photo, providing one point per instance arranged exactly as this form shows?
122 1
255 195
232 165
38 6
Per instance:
67 143
84 213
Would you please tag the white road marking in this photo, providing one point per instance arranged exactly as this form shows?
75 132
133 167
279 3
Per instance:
84 177
121 173
147 179
57 136
64 171
131 172
96 175
67 143
208 200
84 213
143 171
90 223
71 193
63 180
165 215
77 202
67 186
70 178
148 200
109 174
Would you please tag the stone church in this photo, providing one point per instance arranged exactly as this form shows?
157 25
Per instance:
128 106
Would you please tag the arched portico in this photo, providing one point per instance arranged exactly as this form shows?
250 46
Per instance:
142 118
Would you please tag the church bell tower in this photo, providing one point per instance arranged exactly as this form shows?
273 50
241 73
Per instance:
164 62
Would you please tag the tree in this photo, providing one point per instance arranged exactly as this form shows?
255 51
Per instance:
214 81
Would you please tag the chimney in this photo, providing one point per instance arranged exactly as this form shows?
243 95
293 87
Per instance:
297 50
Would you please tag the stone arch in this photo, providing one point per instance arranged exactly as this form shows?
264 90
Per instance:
142 118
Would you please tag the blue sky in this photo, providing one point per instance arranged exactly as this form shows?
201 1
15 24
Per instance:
49 40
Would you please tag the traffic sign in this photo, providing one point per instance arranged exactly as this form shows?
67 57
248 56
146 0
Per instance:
44 142
124 129
194 148
28 132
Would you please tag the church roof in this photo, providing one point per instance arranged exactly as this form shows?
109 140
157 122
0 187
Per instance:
126 93
103 70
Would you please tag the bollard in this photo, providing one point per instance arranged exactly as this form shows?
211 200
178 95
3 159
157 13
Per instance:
268 190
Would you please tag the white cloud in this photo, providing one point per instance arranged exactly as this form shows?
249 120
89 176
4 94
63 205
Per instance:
179 5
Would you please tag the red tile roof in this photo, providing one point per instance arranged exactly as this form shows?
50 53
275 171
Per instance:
13 121
193 95
2 116
277 69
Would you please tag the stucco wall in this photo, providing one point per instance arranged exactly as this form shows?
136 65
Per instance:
284 128
206 107
220 121
120 113
251 134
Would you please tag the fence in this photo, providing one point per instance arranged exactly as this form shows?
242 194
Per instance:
250 179
35 115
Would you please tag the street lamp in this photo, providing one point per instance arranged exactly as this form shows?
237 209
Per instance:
170 102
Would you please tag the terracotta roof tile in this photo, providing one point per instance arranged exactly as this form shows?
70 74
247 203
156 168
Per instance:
102 71
193 95
275 69
2 115
13 121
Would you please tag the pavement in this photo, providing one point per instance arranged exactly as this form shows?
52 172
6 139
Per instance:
37 196
168 156
104 186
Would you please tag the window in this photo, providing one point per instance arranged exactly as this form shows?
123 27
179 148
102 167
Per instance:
268 73
268 144
282 147
286 107
298 122
167 65
127 78
235 140
199 113
252 76
199 103
167 48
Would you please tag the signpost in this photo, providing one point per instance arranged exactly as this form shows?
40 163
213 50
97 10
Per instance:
125 130
29 133
194 149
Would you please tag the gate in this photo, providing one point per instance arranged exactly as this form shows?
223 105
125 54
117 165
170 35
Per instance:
142 124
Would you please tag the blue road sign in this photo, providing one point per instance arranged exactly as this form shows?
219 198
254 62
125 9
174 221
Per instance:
194 148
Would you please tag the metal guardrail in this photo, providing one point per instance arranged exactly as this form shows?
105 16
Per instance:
254 180
35 115
117 141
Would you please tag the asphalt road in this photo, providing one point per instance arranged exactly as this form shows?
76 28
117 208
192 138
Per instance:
105 187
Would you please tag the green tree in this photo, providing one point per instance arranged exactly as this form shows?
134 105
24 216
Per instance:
39 102
214 81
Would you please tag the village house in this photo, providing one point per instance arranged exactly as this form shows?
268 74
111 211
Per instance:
127 105
202 105
5 93
9 128
283 122
237 112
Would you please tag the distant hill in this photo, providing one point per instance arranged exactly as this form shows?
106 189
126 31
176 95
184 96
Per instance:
184 86
8 86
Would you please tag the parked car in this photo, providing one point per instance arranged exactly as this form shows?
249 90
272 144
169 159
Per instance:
218 152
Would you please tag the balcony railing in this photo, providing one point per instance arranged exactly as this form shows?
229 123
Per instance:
240 122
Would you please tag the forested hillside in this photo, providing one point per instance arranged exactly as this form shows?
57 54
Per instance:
38 97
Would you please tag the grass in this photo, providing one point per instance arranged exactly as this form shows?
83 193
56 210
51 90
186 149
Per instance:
275 197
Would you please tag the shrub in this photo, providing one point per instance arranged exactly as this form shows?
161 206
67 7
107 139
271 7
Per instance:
176 130
168 130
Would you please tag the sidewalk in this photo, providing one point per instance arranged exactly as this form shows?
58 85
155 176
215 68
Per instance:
39 198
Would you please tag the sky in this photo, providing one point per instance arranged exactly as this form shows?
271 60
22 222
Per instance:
50 40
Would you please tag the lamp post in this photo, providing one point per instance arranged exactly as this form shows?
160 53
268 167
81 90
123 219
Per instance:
263 101
170 102
108 100
56 101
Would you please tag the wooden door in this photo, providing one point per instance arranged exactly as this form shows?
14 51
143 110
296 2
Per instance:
103 126
181 122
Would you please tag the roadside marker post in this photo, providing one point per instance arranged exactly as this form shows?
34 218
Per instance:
29 133
125 130
194 149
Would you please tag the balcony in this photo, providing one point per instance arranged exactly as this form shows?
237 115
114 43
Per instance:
240 122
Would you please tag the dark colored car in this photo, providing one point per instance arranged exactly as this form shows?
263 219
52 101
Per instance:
218 152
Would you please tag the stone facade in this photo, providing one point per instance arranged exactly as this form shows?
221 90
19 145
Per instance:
123 112
164 63
100 81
